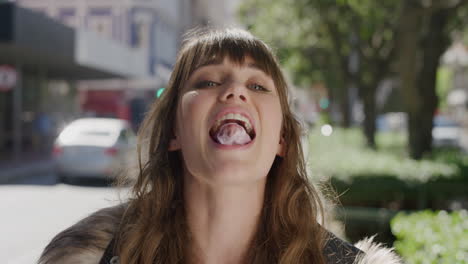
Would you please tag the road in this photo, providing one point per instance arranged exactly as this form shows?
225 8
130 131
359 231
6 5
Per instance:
37 208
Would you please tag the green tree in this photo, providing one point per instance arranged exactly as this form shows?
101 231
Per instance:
362 33
356 43
301 42
424 33
343 43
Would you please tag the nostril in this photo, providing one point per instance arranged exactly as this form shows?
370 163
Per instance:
231 96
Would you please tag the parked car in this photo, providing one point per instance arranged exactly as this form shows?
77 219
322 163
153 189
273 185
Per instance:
94 147
392 121
445 132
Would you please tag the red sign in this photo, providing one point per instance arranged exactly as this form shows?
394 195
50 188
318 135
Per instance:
8 78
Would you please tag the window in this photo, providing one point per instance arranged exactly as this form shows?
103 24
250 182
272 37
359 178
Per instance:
68 16
100 20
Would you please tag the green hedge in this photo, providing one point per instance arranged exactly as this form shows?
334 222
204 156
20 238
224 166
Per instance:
432 237
363 222
387 177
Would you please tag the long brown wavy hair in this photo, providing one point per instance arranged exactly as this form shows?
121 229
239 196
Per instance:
154 228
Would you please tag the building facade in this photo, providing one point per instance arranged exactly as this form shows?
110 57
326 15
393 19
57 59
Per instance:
48 58
152 26
119 53
455 60
215 12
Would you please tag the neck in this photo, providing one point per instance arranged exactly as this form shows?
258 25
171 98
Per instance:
222 219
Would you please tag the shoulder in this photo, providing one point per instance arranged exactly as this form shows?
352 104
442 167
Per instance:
338 251
85 241
366 251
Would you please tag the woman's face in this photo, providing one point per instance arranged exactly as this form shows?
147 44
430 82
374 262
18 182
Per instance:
228 123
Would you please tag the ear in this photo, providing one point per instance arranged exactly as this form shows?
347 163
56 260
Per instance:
174 144
281 147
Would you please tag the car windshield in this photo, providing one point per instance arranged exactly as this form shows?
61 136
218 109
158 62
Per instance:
441 121
88 135
91 133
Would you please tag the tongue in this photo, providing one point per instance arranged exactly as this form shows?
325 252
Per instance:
232 134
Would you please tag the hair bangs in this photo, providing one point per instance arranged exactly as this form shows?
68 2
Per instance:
213 47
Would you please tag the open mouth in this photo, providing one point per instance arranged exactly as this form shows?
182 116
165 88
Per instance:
232 129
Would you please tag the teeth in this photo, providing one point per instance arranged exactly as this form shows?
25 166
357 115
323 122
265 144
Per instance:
246 121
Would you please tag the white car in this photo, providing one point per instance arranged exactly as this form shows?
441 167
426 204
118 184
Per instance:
94 147
445 132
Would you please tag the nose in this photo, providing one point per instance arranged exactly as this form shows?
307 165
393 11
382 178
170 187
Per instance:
233 91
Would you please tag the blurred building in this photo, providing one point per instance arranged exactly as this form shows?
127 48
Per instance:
456 59
42 59
215 12
83 57
153 26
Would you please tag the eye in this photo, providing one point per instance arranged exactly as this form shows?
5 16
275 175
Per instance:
258 87
205 84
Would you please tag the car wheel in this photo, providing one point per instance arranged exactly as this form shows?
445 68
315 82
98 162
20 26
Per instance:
65 179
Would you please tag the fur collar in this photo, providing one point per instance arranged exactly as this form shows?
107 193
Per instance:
86 241
376 253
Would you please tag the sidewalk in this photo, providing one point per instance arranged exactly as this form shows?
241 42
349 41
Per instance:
11 170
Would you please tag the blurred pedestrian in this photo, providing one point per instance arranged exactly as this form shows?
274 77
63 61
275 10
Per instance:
43 132
222 176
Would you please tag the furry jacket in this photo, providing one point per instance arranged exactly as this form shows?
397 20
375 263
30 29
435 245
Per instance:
88 240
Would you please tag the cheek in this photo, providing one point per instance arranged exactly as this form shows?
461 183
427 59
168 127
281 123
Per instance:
188 103
274 117
191 112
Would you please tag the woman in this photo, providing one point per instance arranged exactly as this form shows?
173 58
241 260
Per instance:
222 176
